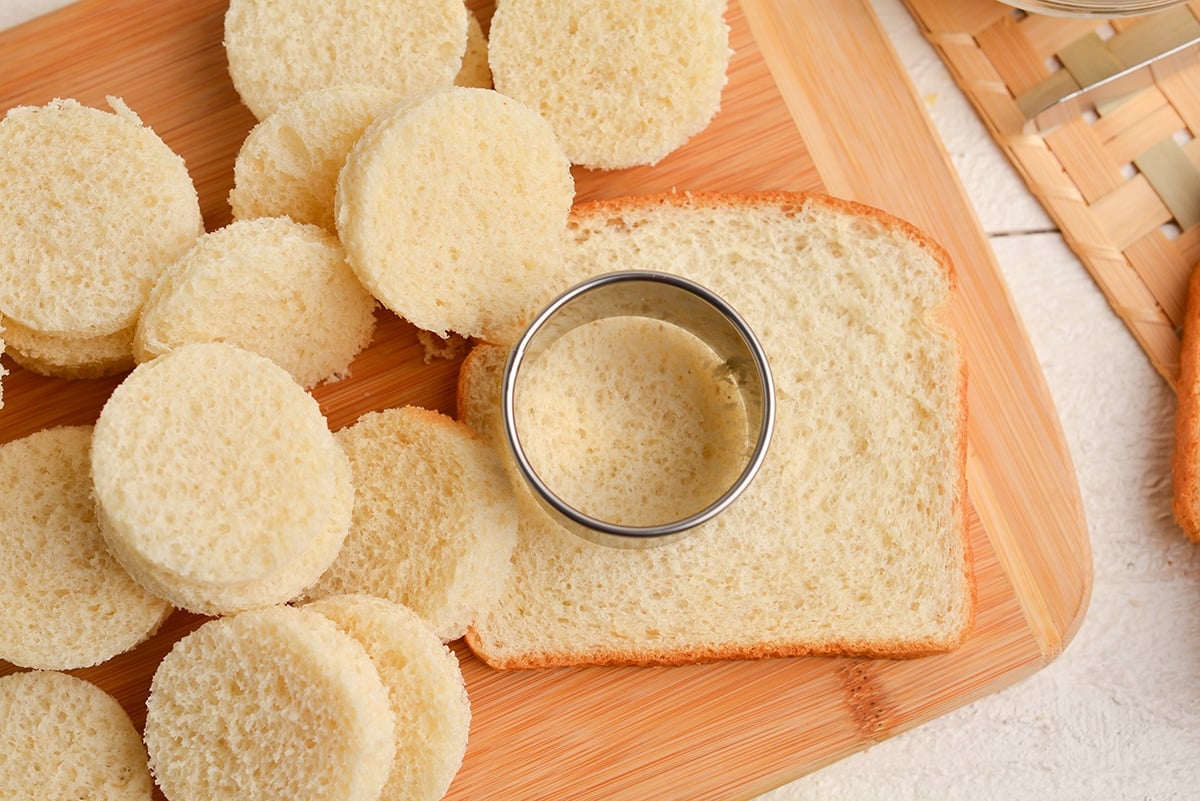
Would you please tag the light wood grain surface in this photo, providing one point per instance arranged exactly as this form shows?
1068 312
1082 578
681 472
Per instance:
788 120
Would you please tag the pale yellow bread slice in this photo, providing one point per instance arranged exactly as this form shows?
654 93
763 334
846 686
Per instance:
288 164
277 53
70 357
434 520
622 82
426 687
269 285
95 206
67 602
272 703
1185 462
212 465
452 209
851 540
64 738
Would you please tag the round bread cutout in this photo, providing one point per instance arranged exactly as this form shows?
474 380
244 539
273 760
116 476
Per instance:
70 357
67 602
64 737
622 82
273 703
425 685
95 206
269 285
210 463
453 210
278 52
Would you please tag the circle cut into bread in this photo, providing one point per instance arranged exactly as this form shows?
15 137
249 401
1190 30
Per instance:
268 285
434 518
95 206
64 738
70 357
425 685
279 52
211 464
622 82
273 703
67 602
453 208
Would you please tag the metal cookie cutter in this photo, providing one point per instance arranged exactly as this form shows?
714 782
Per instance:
658 296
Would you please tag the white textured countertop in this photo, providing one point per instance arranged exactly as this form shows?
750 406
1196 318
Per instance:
1117 715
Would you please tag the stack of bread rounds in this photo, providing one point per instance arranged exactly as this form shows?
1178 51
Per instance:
425 685
434 520
268 285
275 56
453 208
218 484
96 206
271 703
289 163
67 602
622 82
64 738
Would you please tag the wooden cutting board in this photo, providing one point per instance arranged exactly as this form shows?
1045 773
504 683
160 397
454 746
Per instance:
816 101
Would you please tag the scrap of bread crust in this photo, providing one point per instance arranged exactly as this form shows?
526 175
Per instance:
852 539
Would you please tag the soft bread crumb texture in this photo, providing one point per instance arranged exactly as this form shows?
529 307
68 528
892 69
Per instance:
453 209
425 685
212 464
64 738
1185 462
95 207
70 357
852 538
288 164
269 285
67 602
622 83
434 520
272 703
278 53
648 391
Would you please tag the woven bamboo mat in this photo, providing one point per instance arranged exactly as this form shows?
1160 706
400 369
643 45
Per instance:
1120 178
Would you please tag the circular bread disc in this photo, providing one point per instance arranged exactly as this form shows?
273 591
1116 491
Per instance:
95 206
452 210
622 83
434 518
64 738
67 602
268 285
289 162
273 703
70 357
212 464
279 52
425 685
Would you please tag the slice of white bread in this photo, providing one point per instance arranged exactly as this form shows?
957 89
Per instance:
289 163
212 466
1185 462
70 357
273 703
434 520
95 206
278 52
453 208
67 602
622 82
279 288
426 687
852 539
65 738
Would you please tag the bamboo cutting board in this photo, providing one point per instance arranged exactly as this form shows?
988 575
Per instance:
816 101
